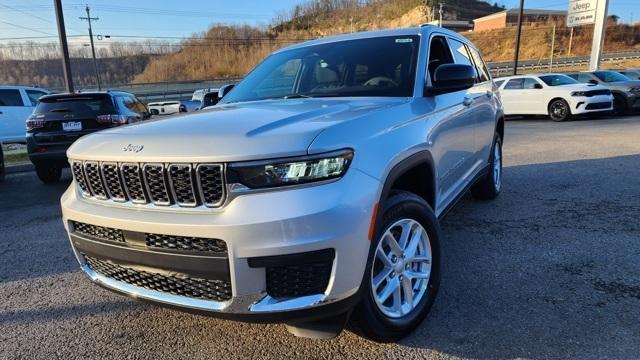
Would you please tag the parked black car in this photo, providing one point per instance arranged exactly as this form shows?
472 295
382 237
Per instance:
58 120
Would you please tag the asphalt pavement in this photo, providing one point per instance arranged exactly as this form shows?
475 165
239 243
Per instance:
551 269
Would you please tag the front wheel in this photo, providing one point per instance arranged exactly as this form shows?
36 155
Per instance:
488 187
559 110
48 174
403 270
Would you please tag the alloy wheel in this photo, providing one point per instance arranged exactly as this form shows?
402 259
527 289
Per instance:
401 268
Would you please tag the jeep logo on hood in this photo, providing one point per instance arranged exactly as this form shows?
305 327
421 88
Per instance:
133 148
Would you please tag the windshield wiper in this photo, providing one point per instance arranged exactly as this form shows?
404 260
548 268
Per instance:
296 96
60 110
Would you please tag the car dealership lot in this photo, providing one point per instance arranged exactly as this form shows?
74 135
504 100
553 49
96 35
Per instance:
549 269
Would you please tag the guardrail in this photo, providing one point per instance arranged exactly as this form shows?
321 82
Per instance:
182 90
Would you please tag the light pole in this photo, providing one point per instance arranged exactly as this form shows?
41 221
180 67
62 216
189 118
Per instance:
518 33
64 48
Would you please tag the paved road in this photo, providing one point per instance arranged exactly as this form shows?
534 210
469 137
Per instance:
549 270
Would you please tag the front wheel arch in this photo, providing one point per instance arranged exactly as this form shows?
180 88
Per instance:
568 108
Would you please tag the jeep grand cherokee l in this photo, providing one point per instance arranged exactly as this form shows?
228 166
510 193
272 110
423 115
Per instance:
60 119
309 195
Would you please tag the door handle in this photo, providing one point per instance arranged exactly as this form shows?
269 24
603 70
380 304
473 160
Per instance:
467 101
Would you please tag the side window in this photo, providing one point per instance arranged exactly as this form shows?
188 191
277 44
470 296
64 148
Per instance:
584 78
573 76
499 83
126 103
34 95
139 106
10 97
515 84
530 83
483 72
439 54
460 52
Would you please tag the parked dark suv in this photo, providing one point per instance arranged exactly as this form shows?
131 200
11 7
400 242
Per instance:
58 120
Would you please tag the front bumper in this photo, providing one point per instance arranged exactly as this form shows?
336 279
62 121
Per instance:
633 101
585 105
254 226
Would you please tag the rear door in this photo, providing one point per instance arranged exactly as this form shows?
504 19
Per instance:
13 115
511 95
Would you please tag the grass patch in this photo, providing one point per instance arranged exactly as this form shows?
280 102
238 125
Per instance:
16 158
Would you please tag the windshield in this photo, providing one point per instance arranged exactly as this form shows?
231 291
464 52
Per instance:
558 80
382 66
610 76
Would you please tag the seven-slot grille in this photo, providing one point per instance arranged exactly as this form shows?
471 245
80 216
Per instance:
598 92
185 185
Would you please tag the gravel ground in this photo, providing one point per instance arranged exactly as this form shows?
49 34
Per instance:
551 269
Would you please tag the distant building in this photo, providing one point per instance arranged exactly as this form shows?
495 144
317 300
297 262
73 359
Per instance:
508 18
455 25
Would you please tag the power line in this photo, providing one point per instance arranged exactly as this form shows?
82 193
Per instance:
25 28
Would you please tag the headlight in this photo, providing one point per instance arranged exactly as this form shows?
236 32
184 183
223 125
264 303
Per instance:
579 93
290 171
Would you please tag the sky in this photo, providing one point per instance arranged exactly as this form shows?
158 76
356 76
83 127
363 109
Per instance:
147 18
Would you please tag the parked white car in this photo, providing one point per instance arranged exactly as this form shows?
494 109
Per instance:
16 105
172 107
555 95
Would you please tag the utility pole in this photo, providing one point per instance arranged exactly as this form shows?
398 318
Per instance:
598 34
64 49
440 14
518 33
553 44
93 49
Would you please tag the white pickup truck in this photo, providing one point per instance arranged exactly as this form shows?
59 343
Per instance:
16 104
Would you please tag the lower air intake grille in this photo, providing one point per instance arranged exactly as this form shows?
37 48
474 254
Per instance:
298 280
185 243
203 289
100 232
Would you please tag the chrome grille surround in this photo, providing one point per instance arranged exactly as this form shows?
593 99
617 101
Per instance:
156 183
132 180
211 184
182 184
178 185
92 173
111 176
77 170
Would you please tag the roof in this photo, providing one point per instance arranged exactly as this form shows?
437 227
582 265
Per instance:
88 93
422 30
525 75
515 11
15 87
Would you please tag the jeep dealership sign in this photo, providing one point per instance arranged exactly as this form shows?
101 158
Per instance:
582 12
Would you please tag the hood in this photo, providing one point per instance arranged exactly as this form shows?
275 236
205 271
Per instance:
623 85
230 132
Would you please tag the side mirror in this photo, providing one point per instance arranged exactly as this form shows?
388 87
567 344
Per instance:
224 90
450 78
592 82
537 86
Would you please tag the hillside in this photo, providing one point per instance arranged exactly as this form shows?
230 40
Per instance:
233 51
48 72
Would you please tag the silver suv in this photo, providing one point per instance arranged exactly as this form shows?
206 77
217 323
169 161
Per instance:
310 195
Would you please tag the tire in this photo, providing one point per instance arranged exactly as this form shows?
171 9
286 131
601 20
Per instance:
48 174
559 110
403 210
488 187
619 105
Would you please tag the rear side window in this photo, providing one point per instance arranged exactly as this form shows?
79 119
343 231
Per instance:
530 83
126 103
34 95
483 72
584 78
78 106
10 97
499 83
515 84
